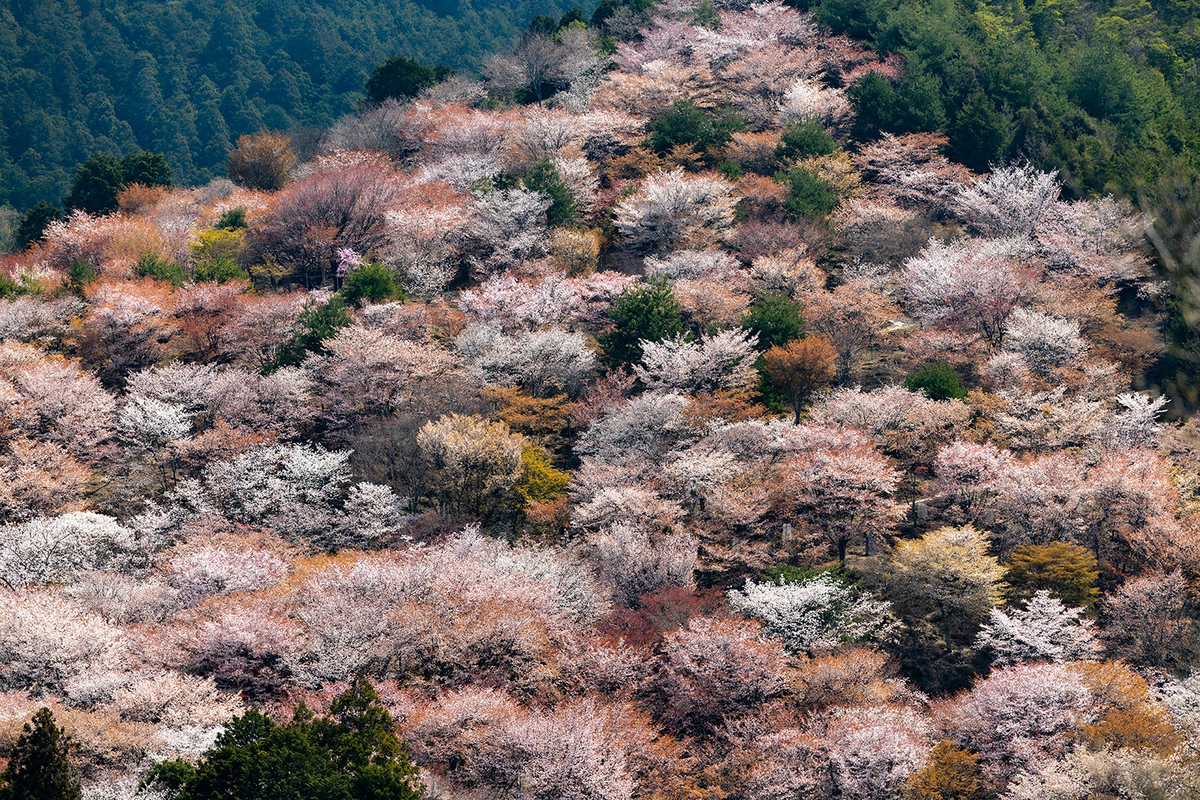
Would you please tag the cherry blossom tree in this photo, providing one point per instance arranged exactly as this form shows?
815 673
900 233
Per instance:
40 478
545 362
370 372
1147 621
292 489
635 562
1044 630
874 749
56 400
1009 201
59 549
342 201
904 424
839 489
46 639
720 362
1044 342
508 229
672 211
969 473
718 668
964 285
815 615
245 646
1019 718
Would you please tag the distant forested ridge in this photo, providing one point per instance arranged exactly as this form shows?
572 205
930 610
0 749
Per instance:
187 78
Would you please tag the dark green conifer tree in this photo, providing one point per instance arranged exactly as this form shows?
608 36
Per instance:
39 769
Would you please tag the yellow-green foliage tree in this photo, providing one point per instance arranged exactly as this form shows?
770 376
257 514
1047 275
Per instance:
540 482
948 577
1068 571
951 774
475 462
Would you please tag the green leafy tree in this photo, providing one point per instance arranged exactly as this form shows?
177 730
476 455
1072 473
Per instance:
938 380
317 323
809 198
649 312
371 282
685 123
352 754
34 223
545 178
399 77
803 138
775 318
148 169
38 768
540 481
98 182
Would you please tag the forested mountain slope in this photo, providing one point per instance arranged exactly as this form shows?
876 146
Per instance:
668 414
187 78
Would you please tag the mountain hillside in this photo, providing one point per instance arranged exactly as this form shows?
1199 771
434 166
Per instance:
187 78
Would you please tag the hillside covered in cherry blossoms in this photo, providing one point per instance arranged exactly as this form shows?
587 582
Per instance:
637 421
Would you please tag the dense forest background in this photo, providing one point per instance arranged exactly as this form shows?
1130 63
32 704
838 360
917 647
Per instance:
1107 93
187 78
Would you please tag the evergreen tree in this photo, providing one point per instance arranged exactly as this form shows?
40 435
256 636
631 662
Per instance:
648 312
38 768
400 77
802 138
34 223
98 181
776 320
809 197
685 123
980 133
546 179
938 380
353 754
148 169
372 282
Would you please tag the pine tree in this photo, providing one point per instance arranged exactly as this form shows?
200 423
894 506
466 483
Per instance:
39 769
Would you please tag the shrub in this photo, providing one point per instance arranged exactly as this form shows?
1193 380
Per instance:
809 198
263 161
160 269
804 138
938 380
219 271
648 312
371 282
